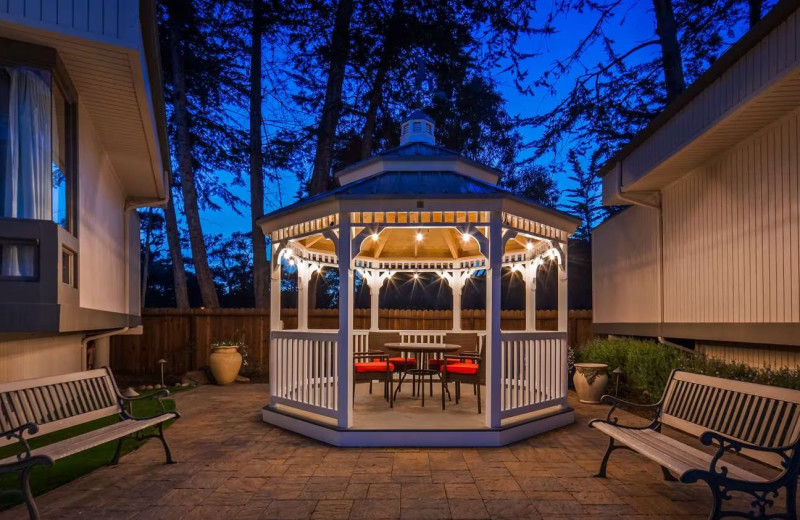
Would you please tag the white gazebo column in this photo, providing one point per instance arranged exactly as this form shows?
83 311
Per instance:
344 354
303 272
274 316
457 285
374 300
493 339
530 296
563 308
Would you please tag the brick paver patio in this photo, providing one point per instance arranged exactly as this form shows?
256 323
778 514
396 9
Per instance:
231 465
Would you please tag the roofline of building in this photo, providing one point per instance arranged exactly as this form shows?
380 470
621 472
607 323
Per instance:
148 18
383 156
501 193
751 38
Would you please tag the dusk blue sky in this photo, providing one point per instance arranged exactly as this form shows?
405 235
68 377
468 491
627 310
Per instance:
636 26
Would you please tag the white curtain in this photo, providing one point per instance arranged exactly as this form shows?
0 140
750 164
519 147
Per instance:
27 180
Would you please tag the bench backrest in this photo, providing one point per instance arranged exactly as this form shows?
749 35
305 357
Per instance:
57 402
762 415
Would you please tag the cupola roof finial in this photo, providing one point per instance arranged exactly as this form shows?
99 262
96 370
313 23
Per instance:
418 127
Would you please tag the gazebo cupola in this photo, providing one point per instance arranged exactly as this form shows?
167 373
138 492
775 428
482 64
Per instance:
413 210
418 127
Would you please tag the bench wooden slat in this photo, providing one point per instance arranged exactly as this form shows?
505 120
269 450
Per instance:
55 403
88 440
755 414
669 452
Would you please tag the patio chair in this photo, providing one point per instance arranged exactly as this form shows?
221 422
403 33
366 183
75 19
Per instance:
471 370
371 366
469 345
377 340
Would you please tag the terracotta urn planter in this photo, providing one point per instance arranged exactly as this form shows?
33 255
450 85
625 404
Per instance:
590 381
225 362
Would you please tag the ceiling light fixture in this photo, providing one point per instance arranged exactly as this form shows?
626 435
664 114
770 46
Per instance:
465 237
375 237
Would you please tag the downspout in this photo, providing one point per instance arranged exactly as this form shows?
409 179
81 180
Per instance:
85 341
657 206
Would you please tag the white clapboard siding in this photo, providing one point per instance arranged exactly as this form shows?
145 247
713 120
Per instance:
625 268
732 234
759 357
770 60
109 19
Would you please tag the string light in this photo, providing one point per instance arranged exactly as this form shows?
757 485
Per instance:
416 276
529 246
291 262
419 236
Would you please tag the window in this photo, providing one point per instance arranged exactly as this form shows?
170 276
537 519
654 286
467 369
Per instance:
405 129
37 138
19 259
417 127
68 267
428 128
35 155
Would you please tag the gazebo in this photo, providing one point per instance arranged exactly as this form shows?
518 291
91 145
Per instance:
417 208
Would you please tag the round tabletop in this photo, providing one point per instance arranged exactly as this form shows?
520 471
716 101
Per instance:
422 347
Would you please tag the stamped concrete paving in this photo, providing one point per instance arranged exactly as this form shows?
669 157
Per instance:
231 466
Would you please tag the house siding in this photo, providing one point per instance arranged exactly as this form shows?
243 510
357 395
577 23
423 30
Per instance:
103 260
732 233
40 357
625 268
106 19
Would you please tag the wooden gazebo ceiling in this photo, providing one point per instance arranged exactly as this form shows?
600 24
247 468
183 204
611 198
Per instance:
440 243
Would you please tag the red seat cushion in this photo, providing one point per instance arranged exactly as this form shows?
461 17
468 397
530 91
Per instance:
450 361
462 368
373 366
403 361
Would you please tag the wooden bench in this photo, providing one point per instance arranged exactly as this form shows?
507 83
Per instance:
759 421
35 407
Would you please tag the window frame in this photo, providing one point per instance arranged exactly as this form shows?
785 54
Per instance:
16 53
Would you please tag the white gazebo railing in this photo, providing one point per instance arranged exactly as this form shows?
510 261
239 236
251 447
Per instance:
361 337
533 372
304 370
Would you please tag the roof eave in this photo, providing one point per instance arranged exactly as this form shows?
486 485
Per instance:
738 50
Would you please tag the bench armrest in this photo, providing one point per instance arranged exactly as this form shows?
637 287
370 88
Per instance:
729 444
377 354
157 395
616 402
18 433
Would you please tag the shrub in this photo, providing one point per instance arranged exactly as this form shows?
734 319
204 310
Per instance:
647 366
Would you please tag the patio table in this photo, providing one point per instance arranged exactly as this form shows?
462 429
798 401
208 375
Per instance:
422 351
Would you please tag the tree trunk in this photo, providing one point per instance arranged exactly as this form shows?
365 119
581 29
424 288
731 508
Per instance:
183 148
332 107
174 243
672 62
260 271
755 11
375 97
376 93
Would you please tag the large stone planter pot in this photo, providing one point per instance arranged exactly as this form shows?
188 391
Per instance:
590 381
225 363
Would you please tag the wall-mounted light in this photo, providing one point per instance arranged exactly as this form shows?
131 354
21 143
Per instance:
416 276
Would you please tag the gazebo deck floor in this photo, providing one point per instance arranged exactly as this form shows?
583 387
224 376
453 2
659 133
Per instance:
372 412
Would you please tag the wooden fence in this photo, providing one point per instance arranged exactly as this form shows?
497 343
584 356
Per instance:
182 336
